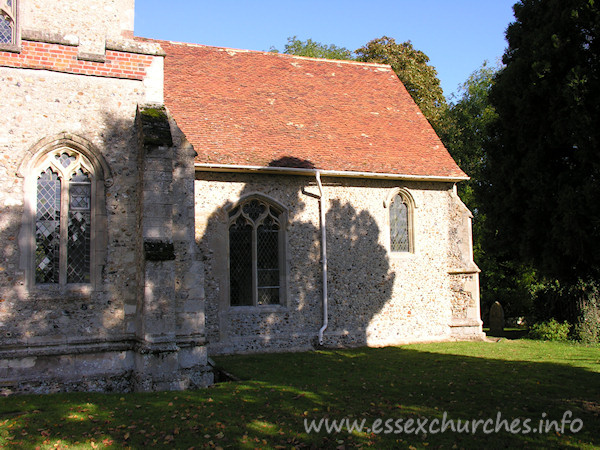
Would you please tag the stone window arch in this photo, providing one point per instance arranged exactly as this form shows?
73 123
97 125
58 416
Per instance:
63 239
256 252
401 206
8 22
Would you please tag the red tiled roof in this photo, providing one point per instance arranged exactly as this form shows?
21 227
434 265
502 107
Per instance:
253 108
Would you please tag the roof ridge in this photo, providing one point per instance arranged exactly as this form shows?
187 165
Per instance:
281 55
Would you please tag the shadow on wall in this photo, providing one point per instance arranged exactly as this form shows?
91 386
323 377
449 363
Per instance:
42 317
359 277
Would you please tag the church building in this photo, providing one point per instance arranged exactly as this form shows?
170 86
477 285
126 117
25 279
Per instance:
162 202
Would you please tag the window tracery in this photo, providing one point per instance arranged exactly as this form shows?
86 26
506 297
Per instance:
255 253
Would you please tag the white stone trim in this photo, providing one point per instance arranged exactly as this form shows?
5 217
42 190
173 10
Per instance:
154 81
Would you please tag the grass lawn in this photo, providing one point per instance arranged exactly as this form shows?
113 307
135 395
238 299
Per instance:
510 381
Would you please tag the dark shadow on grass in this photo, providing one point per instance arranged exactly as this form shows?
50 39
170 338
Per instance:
286 389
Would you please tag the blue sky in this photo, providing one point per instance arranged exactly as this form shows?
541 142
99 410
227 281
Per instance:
457 35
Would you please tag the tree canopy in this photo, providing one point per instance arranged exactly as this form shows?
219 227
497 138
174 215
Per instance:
466 126
465 133
314 49
411 66
543 158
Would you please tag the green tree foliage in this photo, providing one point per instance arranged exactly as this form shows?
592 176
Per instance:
411 66
466 129
465 132
314 49
542 167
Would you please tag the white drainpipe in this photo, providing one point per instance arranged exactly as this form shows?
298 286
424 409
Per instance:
323 257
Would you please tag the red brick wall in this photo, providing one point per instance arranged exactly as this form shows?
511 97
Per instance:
63 58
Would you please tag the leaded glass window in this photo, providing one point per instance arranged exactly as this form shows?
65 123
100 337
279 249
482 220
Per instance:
401 220
255 253
47 228
79 223
63 219
240 263
399 225
8 21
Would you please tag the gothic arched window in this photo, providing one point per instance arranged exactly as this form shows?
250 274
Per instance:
64 238
8 21
63 218
401 211
256 253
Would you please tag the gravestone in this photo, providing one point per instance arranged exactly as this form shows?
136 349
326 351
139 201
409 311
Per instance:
496 319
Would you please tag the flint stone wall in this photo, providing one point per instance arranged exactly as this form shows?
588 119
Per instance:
90 22
37 105
89 339
376 297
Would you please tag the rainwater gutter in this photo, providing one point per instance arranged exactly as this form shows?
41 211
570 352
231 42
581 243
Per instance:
323 256
234 168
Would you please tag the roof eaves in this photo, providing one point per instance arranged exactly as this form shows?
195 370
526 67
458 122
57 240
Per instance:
202 167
